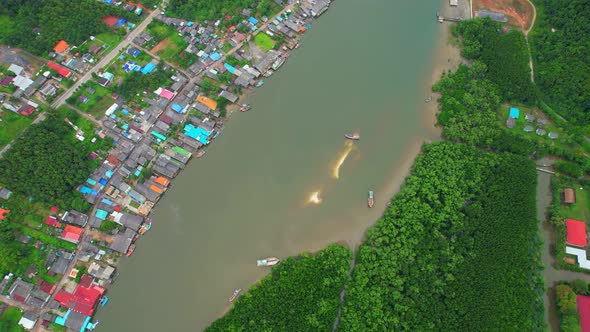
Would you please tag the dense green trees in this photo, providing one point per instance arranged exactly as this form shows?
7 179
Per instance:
216 9
72 20
561 51
455 251
505 55
46 162
301 294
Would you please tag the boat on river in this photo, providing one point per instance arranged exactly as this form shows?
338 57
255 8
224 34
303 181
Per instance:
235 295
354 137
200 154
260 83
244 107
270 261
371 199
130 250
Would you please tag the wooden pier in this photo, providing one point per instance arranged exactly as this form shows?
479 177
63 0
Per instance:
441 18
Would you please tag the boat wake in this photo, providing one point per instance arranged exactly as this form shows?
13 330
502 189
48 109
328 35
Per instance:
348 147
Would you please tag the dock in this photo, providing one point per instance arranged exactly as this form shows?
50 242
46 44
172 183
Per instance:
441 18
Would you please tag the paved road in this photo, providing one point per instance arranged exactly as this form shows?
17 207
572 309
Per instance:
62 99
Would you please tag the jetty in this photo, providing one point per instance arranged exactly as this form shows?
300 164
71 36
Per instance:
441 18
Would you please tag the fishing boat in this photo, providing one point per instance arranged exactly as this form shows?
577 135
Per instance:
353 137
200 153
244 107
235 295
260 83
130 250
278 63
268 73
103 301
270 261
370 200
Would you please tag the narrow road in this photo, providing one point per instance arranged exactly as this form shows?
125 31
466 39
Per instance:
526 36
104 61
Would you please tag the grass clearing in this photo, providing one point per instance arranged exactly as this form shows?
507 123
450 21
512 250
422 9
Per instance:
11 126
264 42
579 210
111 40
97 103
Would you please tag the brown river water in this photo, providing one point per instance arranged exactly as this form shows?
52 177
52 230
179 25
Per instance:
365 66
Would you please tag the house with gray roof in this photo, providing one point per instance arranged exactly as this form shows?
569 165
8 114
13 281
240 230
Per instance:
123 241
75 218
20 291
229 96
101 272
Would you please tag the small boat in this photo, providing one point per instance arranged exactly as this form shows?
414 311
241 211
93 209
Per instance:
235 295
104 301
427 100
244 107
130 250
260 83
200 153
267 262
353 137
371 200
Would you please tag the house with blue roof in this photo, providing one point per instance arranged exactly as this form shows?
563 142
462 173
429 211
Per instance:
215 56
253 20
197 133
177 108
514 113
148 68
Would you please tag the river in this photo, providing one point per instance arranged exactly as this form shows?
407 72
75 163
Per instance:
365 66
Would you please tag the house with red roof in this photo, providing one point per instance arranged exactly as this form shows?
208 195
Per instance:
59 69
584 311
576 233
3 213
84 298
72 233
47 287
52 221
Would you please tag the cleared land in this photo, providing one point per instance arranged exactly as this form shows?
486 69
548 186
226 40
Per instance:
519 12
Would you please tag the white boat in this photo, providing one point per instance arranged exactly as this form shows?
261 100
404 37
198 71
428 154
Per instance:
270 261
235 294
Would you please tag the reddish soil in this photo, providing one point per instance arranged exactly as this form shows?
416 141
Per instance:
110 21
519 12
161 45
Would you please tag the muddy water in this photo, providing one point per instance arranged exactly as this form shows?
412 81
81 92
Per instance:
365 66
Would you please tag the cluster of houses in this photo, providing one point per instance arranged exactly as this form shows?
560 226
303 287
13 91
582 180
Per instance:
576 235
533 123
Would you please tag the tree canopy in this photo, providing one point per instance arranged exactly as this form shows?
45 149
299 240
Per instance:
216 9
46 162
71 20
301 294
560 44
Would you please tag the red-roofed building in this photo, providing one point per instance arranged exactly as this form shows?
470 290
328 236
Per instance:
47 287
52 221
72 233
59 69
166 94
584 311
576 233
61 46
26 110
3 213
84 298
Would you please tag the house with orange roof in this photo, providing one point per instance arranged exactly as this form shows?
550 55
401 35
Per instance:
212 104
72 233
61 47
3 213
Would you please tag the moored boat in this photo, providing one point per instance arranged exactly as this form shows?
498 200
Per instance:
278 63
130 250
260 83
270 261
235 294
353 137
371 199
200 154
244 107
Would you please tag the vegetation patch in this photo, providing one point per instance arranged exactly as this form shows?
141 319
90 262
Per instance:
456 250
9 320
264 42
11 126
95 102
301 294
